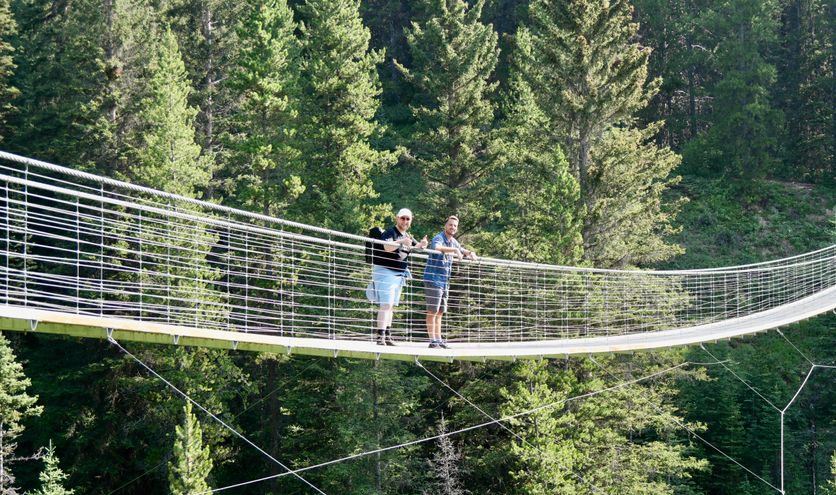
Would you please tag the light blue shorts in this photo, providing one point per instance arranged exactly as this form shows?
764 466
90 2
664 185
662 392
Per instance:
386 285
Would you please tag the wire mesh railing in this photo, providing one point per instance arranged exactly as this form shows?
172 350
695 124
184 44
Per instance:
78 243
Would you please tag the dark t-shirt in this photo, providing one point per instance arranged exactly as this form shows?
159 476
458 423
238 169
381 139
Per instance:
396 260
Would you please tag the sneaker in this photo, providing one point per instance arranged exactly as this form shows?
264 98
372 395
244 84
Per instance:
435 345
381 339
442 345
388 338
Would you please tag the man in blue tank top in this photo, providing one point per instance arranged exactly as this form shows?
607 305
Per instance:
437 277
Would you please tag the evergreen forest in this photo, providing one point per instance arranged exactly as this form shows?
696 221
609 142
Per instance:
635 134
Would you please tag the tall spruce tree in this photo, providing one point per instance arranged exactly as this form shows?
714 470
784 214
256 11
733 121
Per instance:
671 29
453 59
166 155
16 405
52 478
206 33
8 92
264 159
340 88
60 69
537 194
589 78
372 401
830 487
191 463
806 87
622 441
746 129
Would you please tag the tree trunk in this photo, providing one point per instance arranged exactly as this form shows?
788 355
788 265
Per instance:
208 106
378 470
274 418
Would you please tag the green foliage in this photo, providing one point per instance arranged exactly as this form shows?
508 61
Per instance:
341 87
453 58
830 487
722 227
167 156
8 92
378 397
52 478
286 119
670 29
745 132
589 78
569 449
206 33
188 470
537 193
59 58
628 222
263 161
16 405
804 88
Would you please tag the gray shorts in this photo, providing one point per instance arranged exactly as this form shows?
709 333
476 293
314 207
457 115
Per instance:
437 298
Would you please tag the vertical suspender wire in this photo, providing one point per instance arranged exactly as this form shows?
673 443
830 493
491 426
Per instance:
8 233
784 410
197 293
228 274
331 260
525 293
101 249
141 275
246 281
293 275
168 269
587 314
280 258
605 289
495 301
26 239
479 296
77 256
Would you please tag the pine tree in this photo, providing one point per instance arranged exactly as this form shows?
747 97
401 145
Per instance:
445 465
453 59
16 405
589 78
262 129
190 467
206 33
805 87
166 155
670 28
830 487
538 220
622 441
8 92
745 135
340 85
52 477
60 73
547 459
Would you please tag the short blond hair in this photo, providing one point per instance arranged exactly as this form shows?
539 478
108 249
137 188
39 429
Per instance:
452 217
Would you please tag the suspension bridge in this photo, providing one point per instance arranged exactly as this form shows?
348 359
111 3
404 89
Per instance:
89 256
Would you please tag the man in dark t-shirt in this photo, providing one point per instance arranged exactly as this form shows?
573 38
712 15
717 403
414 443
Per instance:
391 271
